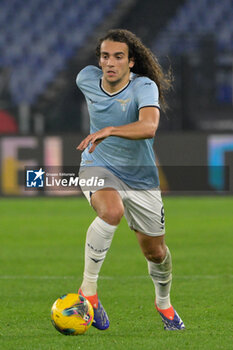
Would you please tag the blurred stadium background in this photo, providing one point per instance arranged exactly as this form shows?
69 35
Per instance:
43 116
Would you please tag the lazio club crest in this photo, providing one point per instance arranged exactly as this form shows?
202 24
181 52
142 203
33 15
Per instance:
123 103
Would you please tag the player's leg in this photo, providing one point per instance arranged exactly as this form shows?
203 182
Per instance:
159 265
145 215
109 208
160 269
108 205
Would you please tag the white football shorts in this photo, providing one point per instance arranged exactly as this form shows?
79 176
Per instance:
144 209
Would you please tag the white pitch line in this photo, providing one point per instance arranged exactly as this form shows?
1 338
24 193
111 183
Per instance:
184 277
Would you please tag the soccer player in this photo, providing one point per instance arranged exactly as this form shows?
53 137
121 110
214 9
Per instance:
124 97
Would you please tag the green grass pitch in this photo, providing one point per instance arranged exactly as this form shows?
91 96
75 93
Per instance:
41 258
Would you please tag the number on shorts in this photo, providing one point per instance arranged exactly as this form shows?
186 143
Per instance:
162 215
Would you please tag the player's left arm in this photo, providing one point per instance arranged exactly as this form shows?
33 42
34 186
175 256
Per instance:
144 128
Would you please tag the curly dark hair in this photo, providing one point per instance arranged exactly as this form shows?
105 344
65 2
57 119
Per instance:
146 63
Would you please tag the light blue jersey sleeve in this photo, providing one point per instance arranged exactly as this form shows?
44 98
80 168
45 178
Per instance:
87 79
82 77
146 93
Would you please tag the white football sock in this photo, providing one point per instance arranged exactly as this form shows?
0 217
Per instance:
98 241
161 275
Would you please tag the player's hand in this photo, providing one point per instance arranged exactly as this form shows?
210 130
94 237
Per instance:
94 139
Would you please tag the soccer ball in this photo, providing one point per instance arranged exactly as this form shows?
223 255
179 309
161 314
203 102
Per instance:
72 314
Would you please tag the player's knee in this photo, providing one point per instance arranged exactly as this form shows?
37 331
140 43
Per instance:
156 255
113 215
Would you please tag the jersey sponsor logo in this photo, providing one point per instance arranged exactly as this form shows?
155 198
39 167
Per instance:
123 103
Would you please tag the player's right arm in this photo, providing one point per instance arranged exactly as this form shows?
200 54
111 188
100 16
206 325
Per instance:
144 128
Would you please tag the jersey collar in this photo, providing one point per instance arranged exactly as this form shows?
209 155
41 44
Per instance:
115 93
